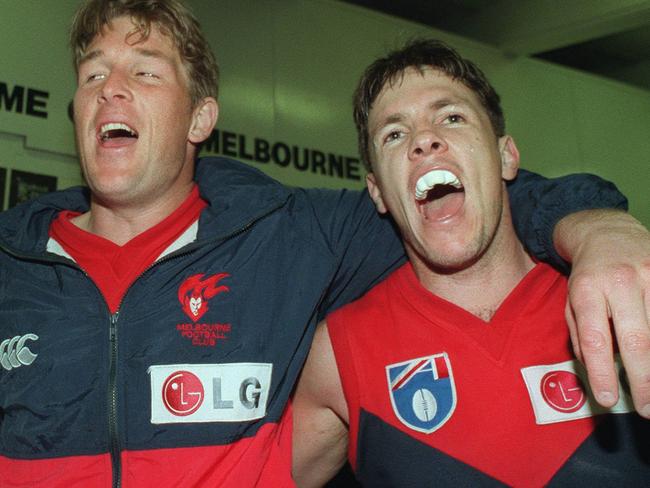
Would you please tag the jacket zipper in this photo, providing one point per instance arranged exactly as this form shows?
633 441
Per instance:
113 431
112 404
112 395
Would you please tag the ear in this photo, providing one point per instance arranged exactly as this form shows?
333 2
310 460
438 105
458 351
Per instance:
204 118
375 193
509 157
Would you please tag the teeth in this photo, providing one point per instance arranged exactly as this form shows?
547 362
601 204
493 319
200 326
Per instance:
433 178
115 126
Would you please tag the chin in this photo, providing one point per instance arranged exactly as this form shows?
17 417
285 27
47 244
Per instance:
450 264
112 187
452 257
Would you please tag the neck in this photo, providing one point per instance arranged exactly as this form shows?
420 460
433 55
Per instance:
483 285
121 223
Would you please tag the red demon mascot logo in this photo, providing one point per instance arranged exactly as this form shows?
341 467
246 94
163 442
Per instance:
195 293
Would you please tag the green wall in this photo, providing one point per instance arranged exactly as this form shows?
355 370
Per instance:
288 71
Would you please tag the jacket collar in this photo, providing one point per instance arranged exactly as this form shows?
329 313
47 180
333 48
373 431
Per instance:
237 195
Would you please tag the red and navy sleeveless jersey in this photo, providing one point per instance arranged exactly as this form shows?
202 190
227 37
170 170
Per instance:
439 397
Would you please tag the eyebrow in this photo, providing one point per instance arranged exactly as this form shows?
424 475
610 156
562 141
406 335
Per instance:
391 119
445 102
90 55
435 105
147 53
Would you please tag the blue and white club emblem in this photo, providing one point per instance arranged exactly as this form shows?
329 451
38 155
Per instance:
422 392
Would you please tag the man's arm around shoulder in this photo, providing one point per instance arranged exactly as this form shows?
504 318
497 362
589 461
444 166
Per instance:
320 416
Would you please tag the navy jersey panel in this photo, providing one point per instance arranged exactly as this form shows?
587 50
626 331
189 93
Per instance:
617 454
387 457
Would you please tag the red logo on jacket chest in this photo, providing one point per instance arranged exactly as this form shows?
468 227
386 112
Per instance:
194 294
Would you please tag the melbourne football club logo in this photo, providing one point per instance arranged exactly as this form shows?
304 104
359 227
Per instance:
195 293
422 392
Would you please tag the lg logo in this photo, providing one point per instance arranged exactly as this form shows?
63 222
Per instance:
14 353
563 391
230 392
183 393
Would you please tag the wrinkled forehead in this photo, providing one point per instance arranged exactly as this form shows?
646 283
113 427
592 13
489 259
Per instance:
151 40
135 31
415 82
419 76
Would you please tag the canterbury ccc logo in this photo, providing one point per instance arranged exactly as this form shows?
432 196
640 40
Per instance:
14 353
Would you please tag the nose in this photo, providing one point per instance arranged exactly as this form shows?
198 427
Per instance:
425 142
115 87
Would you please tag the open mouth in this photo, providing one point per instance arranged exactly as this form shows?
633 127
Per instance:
117 132
440 194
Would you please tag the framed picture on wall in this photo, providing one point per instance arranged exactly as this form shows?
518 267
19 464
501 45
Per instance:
3 182
25 186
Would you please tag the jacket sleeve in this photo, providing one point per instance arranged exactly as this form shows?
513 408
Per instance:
365 245
538 203
368 247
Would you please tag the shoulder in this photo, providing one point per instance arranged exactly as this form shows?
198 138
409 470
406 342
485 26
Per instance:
223 172
222 178
25 226
372 303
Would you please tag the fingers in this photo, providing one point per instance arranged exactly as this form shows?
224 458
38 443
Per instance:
588 311
573 331
628 306
609 295
630 314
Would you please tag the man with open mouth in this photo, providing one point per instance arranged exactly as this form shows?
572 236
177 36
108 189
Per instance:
457 370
